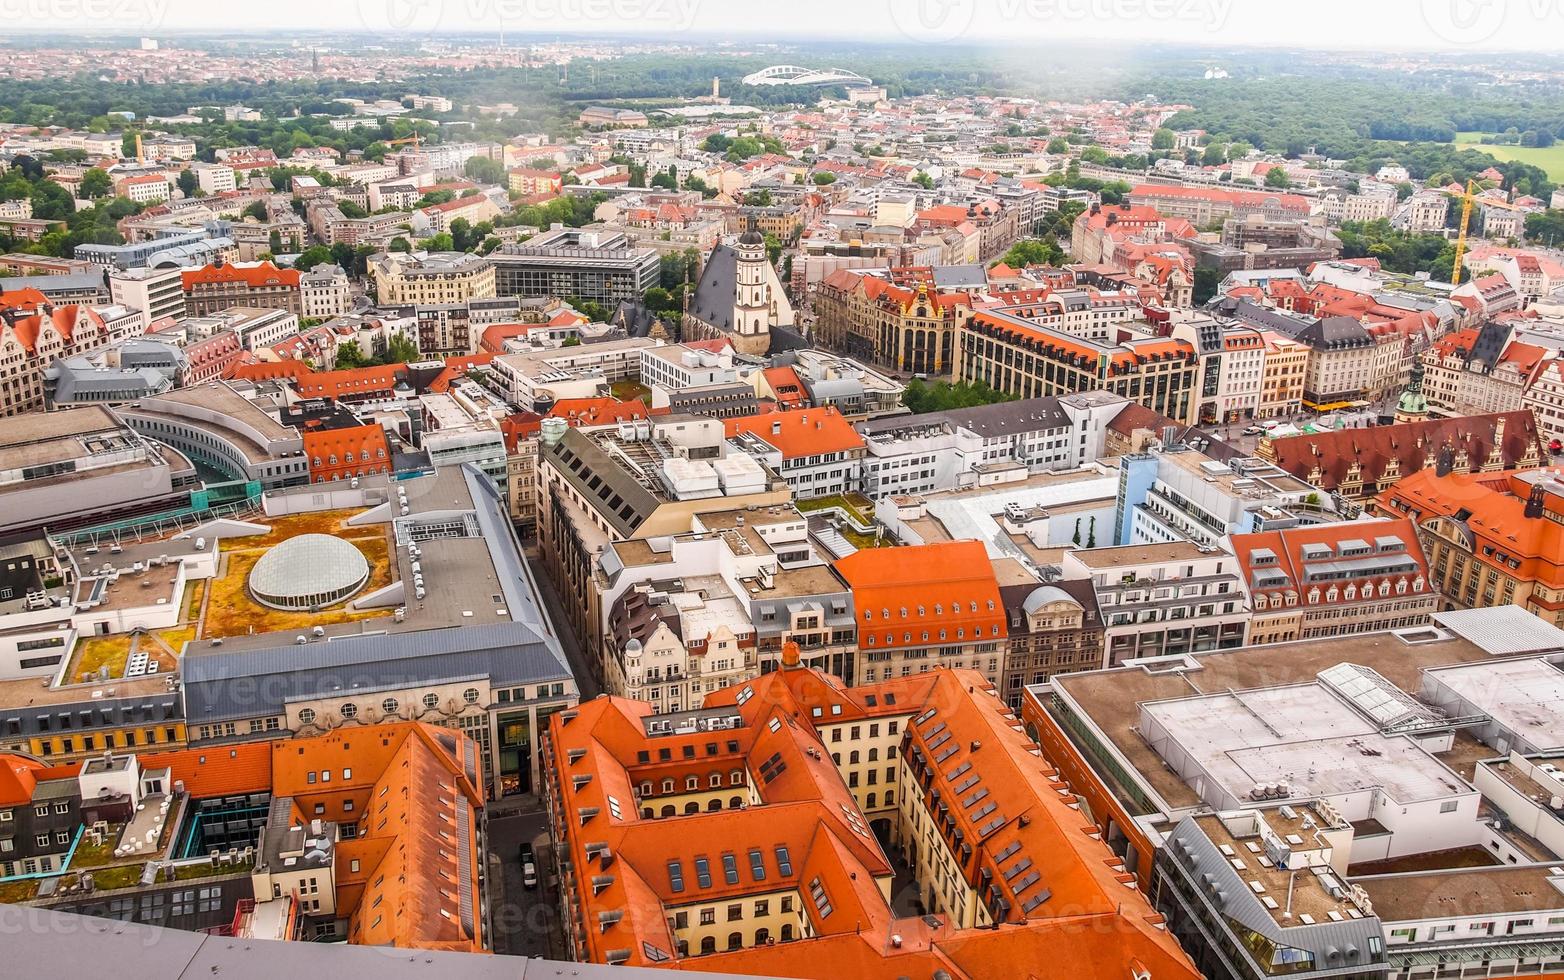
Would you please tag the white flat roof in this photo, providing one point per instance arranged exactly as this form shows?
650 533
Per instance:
1526 696
969 514
1301 735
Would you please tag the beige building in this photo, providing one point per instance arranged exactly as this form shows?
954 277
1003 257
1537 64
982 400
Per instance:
1282 375
403 279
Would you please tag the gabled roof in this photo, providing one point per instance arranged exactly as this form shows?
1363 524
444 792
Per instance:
1413 445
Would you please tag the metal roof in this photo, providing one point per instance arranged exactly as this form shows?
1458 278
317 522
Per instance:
309 565
1502 630
80 946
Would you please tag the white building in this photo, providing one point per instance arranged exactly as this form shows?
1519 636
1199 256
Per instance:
1160 600
325 291
157 293
914 454
214 178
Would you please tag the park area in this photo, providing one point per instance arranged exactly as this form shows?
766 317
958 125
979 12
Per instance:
1549 158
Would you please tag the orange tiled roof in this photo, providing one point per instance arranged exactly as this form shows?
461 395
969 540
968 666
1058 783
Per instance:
217 770
256 276
365 443
1495 508
922 594
598 411
799 434
1287 546
1081 908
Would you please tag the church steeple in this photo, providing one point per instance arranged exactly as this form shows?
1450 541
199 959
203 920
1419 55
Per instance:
1413 406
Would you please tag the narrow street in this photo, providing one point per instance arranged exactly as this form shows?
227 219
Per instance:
525 921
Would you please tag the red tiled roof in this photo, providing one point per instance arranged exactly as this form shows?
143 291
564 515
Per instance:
256 276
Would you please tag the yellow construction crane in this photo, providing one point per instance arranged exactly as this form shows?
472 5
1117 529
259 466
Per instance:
414 139
141 156
1460 242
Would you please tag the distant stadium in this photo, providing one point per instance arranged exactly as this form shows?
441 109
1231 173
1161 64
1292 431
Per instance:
806 77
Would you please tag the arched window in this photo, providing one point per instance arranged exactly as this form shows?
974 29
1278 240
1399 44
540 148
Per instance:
762 936
668 785
692 807
646 788
668 810
874 755
716 780
735 940
734 803
692 782
646 812
708 945
714 804
872 799
736 777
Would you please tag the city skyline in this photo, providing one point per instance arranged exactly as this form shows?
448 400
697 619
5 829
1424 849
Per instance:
1401 25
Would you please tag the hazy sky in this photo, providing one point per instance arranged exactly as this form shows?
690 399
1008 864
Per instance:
1388 24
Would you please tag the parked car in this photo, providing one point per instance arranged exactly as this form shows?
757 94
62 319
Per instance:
529 866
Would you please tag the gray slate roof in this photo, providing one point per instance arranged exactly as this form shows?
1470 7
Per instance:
715 294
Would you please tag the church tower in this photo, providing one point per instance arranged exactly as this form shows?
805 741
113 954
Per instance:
1413 406
752 295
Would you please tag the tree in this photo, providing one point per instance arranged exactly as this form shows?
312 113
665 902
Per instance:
311 257
667 180
921 396
1546 227
773 248
95 183
350 355
923 180
1205 285
441 242
1058 145
1164 139
593 311
274 242
659 299
188 184
824 177
1077 538
401 349
484 170
462 237
257 210
1033 251
1215 154
1277 177
1091 533
758 199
